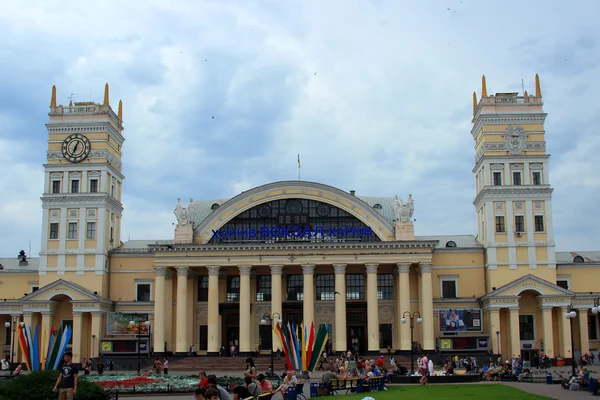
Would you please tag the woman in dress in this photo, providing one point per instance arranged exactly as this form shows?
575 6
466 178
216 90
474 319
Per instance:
250 368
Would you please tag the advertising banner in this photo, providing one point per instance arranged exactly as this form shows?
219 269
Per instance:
453 320
118 324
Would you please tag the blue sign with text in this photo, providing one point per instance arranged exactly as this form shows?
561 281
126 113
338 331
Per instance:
291 231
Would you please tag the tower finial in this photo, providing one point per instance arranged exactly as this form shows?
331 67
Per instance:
120 113
526 94
538 89
53 98
474 102
483 87
106 102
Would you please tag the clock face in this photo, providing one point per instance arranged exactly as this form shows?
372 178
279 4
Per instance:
76 148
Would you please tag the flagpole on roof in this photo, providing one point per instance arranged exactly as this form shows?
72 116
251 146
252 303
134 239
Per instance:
298 166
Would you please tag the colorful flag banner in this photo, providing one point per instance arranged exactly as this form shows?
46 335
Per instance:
302 345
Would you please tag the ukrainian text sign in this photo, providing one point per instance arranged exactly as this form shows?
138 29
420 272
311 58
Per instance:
291 231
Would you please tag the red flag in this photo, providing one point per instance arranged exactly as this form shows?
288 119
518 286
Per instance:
311 342
24 348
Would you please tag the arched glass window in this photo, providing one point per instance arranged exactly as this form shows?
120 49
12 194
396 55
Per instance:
450 243
578 259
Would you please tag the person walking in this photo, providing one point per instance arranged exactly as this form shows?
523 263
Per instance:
67 379
166 367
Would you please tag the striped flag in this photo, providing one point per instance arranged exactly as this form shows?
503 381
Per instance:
44 349
64 342
35 360
55 347
303 344
298 160
23 344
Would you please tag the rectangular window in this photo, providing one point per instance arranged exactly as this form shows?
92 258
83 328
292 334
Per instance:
112 190
516 178
69 323
497 178
263 288
54 230
72 230
34 288
500 224
519 223
112 231
75 186
233 288
537 178
203 288
295 288
91 230
55 186
142 292
526 327
93 185
7 336
539 223
385 287
325 287
563 284
203 335
448 289
385 336
355 287
592 327
265 337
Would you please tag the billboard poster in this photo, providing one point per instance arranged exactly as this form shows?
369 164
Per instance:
453 320
118 324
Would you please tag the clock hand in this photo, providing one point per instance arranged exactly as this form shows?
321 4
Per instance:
75 148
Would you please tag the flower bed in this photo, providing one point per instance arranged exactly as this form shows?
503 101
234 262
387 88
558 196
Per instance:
145 384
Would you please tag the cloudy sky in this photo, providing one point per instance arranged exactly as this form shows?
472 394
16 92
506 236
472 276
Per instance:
374 95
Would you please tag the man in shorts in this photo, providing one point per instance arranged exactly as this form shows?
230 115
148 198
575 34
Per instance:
67 380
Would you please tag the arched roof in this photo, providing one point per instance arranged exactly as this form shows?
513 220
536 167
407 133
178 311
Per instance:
288 190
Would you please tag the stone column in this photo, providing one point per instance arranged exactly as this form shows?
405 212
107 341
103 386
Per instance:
214 341
181 345
191 326
158 330
515 338
340 343
47 325
245 325
426 300
372 309
97 330
169 309
547 331
309 294
403 306
565 341
276 302
584 335
494 326
77 330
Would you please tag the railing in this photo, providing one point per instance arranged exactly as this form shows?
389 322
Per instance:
79 109
511 100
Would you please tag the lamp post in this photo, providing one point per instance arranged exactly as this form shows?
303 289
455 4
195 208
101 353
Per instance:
7 324
411 318
570 315
498 341
269 319
139 324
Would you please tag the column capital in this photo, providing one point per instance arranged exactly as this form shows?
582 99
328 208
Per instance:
160 271
425 268
182 271
339 268
276 269
403 268
213 271
308 269
372 268
245 270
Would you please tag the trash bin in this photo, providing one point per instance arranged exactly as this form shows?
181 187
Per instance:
593 385
292 393
314 390
549 379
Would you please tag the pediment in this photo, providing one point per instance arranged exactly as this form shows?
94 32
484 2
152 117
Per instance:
62 287
529 282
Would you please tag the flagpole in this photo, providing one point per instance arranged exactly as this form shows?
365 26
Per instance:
298 166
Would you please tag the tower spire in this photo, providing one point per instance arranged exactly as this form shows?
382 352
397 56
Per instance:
483 87
106 102
474 102
53 98
120 113
538 89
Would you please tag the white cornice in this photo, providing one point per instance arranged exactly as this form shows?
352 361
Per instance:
112 160
88 166
514 193
53 200
508 158
84 127
507 119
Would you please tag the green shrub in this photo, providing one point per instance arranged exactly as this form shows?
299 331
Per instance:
38 386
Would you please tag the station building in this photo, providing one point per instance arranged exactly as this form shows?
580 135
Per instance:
304 252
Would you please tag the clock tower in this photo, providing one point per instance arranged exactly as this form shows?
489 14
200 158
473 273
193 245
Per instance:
81 202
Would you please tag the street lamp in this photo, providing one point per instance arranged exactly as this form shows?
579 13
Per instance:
7 324
269 319
411 317
570 315
596 307
139 323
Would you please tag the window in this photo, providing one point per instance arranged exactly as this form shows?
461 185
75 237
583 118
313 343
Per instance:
592 327
497 178
7 336
112 230
385 287
72 230
203 335
519 223
214 206
142 291
69 323
539 223
536 177
54 230
93 185
265 337
75 186
516 178
355 287
578 259
295 287
55 186
526 327
500 224
233 288
449 288
325 287
112 190
377 206
563 283
203 288
34 288
263 288
451 243
385 336
91 230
